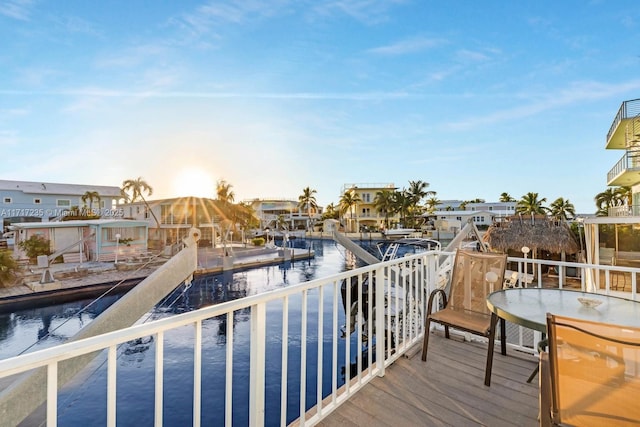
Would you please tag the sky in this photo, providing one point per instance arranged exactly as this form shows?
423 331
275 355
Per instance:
474 98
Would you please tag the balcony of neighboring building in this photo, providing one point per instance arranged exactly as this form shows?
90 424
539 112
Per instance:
626 171
625 129
625 210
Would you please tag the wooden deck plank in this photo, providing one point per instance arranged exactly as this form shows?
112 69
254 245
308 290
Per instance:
447 390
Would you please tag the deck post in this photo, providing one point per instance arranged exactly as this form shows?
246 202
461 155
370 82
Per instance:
381 332
257 365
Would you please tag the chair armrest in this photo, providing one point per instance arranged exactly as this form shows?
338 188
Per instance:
432 296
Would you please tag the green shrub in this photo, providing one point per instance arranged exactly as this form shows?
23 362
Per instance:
258 241
34 246
8 268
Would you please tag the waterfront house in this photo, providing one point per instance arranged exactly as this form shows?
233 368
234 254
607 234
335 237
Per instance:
364 213
90 240
28 201
268 210
169 220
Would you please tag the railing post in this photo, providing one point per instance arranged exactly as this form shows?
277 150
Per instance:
381 333
257 365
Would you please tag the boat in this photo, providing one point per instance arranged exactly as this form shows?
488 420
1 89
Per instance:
397 233
356 291
388 251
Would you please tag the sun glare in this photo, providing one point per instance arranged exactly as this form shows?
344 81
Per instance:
194 182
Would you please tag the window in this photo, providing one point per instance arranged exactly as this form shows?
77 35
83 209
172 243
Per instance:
63 203
7 200
37 201
134 233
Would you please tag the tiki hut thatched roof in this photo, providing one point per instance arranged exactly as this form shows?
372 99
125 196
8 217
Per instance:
538 232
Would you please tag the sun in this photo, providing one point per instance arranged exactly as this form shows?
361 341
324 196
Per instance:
193 182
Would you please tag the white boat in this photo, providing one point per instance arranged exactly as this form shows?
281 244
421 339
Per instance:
397 283
396 233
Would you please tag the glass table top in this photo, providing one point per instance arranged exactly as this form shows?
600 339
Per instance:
529 307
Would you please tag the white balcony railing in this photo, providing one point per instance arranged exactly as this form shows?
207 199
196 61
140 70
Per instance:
633 210
398 313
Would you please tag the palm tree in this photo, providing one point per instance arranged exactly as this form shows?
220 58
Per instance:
134 189
348 200
530 204
384 204
605 200
506 197
223 191
416 192
90 196
330 212
402 203
562 209
624 195
308 200
281 224
432 203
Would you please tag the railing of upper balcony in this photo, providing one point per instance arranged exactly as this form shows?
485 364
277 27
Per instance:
627 109
630 160
633 210
395 303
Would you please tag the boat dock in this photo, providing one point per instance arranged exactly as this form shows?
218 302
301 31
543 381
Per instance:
92 277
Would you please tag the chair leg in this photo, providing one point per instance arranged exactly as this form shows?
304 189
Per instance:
425 341
492 339
544 391
503 337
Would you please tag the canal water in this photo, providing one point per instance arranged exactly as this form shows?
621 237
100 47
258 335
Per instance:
83 401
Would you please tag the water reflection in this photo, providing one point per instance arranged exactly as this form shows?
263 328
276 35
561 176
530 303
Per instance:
82 402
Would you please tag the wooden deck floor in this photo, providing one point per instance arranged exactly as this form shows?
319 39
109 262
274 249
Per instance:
448 390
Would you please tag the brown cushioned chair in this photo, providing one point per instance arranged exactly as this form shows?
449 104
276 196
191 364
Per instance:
591 376
474 276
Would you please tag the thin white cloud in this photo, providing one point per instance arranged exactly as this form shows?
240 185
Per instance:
204 20
16 9
412 45
132 56
8 138
470 55
369 12
578 92
13 112
111 93
36 76
74 24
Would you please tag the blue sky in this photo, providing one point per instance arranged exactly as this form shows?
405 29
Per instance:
475 98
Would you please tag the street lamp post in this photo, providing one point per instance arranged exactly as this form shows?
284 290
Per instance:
117 249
